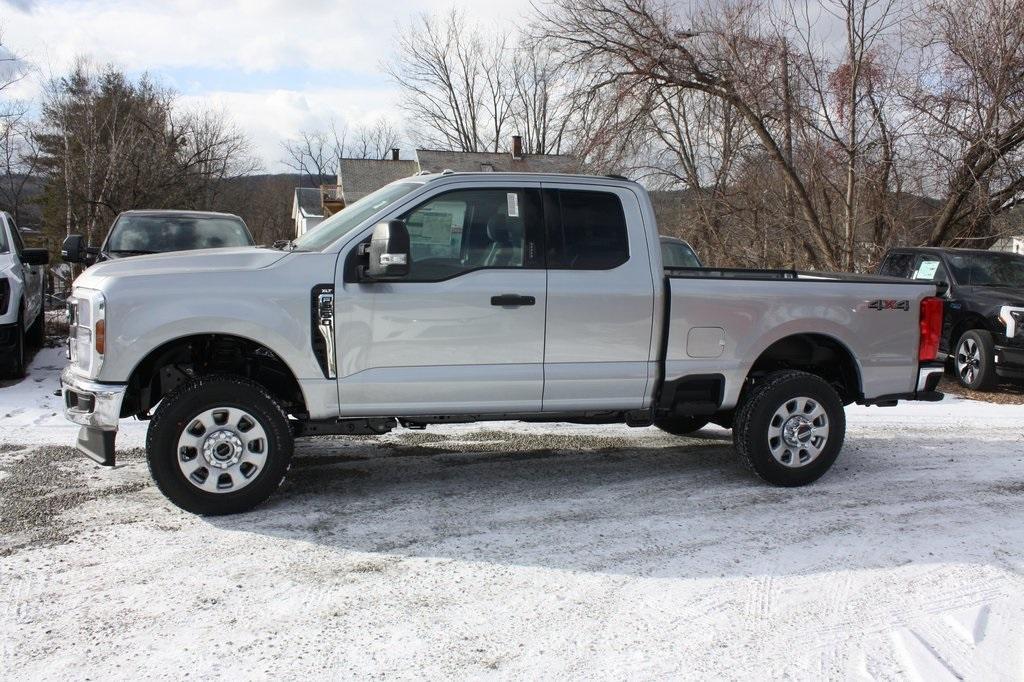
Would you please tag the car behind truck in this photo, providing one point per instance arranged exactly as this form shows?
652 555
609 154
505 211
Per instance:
469 297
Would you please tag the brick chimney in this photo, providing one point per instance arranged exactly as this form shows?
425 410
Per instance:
394 153
517 147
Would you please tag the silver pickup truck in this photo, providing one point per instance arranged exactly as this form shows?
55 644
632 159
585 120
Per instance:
482 296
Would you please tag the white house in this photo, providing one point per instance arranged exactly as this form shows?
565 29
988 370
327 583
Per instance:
307 209
1011 244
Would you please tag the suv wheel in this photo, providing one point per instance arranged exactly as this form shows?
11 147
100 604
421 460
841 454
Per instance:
13 366
790 428
681 426
975 360
218 445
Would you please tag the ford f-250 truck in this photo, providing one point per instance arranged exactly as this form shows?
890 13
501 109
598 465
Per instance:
483 296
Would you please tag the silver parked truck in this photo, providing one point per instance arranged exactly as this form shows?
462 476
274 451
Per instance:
460 297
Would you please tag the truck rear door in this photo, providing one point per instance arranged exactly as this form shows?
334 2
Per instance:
600 311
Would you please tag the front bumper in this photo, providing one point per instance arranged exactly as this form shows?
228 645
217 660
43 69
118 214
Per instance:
1009 361
97 408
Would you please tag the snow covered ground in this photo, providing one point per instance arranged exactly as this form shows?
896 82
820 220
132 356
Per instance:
511 551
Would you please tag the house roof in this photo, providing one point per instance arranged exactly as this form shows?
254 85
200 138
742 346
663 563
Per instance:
359 177
308 200
435 161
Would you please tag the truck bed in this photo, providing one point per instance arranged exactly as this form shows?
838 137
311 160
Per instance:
721 321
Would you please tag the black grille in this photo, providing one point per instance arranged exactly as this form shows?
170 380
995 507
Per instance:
5 295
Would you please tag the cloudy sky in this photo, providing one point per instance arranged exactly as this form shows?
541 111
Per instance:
276 66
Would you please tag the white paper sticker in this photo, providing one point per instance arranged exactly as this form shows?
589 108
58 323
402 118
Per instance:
513 205
927 270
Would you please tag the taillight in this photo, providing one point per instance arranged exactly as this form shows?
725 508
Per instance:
931 329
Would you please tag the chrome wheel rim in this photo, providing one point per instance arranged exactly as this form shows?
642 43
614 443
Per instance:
222 450
968 360
798 432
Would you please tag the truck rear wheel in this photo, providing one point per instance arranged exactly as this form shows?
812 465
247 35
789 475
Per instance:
218 445
681 426
790 428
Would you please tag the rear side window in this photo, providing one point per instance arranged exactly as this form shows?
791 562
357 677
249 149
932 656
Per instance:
589 232
929 268
898 265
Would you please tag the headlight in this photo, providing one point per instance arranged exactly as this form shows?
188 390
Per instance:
1013 319
87 330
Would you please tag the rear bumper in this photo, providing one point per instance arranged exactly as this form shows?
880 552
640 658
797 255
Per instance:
929 374
1009 361
97 408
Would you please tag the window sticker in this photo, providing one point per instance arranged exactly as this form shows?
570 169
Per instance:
513 205
927 270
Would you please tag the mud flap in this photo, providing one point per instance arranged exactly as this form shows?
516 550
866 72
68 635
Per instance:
97 445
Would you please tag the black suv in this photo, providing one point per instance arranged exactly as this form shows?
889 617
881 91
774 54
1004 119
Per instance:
137 233
983 321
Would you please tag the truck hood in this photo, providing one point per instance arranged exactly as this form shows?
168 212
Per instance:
181 262
997 295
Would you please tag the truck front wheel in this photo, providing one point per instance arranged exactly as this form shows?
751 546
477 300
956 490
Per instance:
790 428
975 360
218 445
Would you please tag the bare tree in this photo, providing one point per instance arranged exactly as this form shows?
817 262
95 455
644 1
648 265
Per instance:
454 82
109 144
372 141
970 96
314 154
19 164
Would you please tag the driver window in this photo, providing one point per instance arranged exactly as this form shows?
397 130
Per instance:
468 230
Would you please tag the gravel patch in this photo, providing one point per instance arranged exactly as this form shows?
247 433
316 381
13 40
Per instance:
41 485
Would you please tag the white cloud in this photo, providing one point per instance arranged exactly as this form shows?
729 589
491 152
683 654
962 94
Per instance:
271 116
175 38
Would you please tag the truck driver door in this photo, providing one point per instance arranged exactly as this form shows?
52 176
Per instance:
463 332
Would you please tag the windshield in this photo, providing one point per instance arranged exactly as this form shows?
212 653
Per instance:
349 218
678 255
988 269
3 238
162 233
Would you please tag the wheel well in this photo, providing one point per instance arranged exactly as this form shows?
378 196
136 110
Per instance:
962 327
816 354
186 358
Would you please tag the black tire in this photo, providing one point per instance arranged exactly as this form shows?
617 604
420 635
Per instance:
13 366
755 423
35 336
181 407
974 360
681 426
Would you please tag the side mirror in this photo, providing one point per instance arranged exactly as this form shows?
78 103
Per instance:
388 252
35 256
73 249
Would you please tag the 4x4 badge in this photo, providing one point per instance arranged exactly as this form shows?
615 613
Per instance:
889 304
